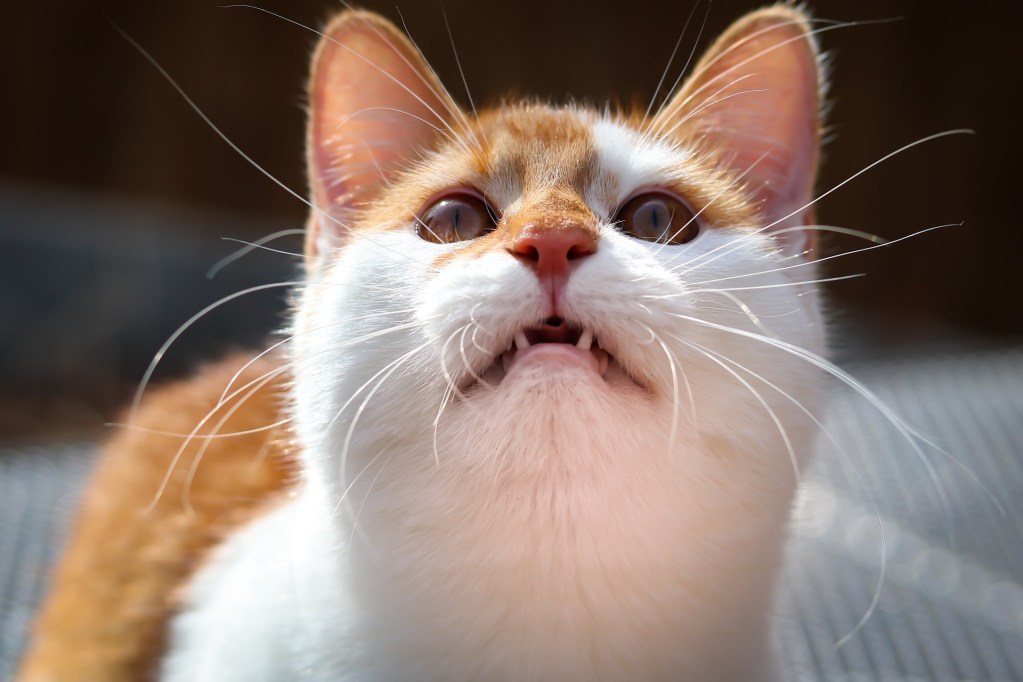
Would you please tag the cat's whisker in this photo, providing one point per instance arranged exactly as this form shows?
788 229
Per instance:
133 411
199 437
179 453
445 399
221 134
445 132
753 317
827 228
461 72
789 449
904 430
907 147
444 95
186 494
777 285
477 327
255 245
675 406
248 248
465 358
735 242
383 374
876 596
430 86
445 372
342 501
671 60
711 101
347 344
736 46
358 514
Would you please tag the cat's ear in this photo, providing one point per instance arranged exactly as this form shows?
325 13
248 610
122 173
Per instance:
375 104
755 100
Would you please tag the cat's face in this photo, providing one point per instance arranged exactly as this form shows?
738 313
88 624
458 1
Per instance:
543 361
545 289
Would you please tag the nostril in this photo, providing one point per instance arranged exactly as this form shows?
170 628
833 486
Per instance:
529 252
580 250
553 248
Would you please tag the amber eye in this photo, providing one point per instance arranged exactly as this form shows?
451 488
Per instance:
456 218
657 217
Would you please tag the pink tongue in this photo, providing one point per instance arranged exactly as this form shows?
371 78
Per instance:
556 353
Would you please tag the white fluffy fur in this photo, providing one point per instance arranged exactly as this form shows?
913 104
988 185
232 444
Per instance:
546 530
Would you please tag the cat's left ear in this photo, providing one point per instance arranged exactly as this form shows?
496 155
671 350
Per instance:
754 100
375 106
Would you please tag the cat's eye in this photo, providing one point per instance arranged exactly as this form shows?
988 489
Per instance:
657 217
456 218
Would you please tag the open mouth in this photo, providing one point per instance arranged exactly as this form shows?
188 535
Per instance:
554 341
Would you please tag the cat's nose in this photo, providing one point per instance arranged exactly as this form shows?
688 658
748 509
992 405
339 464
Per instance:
552 251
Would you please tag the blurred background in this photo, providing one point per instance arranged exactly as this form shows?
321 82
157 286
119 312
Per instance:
116 198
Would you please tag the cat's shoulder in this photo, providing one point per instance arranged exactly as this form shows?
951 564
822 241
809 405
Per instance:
200 457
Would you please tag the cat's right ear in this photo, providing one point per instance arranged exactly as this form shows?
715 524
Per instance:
374 104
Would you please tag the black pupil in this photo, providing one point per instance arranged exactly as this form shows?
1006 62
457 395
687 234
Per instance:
657 218
654 208
455 219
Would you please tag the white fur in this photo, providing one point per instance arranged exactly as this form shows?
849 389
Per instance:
546 530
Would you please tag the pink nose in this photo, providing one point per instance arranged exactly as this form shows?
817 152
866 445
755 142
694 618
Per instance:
551 253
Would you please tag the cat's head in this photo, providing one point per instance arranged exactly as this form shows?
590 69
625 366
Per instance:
555 288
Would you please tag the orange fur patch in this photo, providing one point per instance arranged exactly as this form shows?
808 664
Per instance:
118 582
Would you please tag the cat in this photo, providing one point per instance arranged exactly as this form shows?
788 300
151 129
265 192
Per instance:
540 416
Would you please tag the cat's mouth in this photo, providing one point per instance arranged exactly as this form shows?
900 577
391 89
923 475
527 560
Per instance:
555 343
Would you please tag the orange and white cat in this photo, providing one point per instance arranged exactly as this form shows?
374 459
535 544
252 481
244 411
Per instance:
547 386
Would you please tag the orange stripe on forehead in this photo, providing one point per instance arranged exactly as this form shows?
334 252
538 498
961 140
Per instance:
541 146
548 155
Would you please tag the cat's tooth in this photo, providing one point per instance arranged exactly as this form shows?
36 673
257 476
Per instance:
585 340
602 359
505 361
520 340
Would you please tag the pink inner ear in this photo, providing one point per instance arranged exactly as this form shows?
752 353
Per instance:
375 105
754 100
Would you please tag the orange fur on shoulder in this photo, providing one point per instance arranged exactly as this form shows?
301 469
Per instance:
122 572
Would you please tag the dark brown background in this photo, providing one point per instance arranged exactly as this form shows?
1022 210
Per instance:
85 115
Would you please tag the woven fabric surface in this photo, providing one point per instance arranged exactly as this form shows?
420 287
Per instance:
941 598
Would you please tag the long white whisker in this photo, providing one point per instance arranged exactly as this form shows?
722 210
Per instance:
383 374
876 597
770 411
180 330
778 285
186 496
872 398
347 344
923 140
165 481
671 59
384 72
804 263
672 362
929 138
461 71
465 358
753 317
249 246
